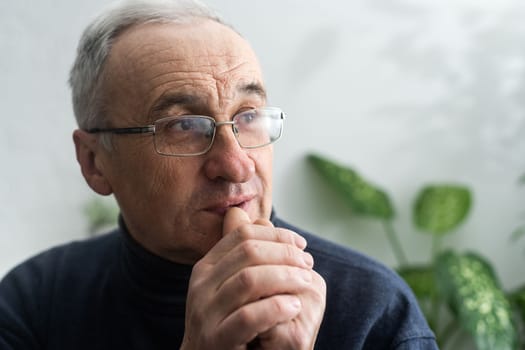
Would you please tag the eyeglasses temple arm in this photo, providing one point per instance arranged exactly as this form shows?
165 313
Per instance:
132 130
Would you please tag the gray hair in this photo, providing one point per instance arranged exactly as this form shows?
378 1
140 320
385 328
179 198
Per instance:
97 39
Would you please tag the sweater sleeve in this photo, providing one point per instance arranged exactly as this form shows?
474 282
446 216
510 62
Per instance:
426 343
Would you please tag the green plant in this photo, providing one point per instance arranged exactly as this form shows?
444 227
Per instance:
520 231
100 214
455 289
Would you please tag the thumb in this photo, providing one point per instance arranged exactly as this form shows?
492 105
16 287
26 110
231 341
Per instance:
234 218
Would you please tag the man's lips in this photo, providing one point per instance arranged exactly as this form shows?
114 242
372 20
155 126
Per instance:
221 207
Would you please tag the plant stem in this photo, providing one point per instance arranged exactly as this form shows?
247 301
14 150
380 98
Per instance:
395 243
448 332
436 246
454 340
433 317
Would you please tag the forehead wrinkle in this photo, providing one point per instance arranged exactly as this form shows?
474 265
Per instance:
217 73
227 83
183 91
143 56
189 86
171 99
182 75
182 71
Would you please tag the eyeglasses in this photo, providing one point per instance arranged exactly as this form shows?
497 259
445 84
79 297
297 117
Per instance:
193 135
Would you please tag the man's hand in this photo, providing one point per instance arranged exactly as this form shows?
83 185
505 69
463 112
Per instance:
301 332
256 286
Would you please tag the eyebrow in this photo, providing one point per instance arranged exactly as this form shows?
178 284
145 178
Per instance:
173 99
170 100
253 88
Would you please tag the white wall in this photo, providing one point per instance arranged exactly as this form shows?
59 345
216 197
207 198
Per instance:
407 92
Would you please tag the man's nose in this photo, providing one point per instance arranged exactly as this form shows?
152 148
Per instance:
226 159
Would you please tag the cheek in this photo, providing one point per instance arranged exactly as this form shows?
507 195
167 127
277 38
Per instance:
263 159
263 164
172 177
163 178
140 172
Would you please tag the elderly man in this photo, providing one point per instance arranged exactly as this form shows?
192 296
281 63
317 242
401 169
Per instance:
173 122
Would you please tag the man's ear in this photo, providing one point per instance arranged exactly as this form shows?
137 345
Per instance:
87 150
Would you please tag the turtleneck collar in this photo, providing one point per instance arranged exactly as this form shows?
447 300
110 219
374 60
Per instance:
151 275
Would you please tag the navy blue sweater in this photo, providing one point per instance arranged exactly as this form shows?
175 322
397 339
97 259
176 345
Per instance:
110 293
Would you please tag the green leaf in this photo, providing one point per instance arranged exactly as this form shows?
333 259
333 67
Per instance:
100 214
440 208
518 233
420 279
473 293
518 298
521 180
362 197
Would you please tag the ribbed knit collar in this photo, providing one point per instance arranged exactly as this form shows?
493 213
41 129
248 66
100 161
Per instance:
149 278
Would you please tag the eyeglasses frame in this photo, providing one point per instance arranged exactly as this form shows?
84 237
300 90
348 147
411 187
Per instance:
150 129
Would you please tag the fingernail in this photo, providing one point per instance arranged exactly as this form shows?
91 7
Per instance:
300 242
308 259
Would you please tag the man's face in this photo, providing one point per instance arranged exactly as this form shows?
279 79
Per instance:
174 206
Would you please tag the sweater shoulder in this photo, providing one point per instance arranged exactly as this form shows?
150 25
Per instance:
382 311
32 289
331 256
94 248
63 260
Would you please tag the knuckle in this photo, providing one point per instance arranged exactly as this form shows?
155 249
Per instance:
284 236
250 249
278 306
246 280
320 281
196 279
245 317
289 274
290 253
319 300
319 292
290 237
198 268
245 232
200 272
294 336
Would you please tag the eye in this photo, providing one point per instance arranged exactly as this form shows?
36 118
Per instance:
247 117
187 125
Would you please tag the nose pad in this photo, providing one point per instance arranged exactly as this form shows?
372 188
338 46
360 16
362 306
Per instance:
226 138
224 135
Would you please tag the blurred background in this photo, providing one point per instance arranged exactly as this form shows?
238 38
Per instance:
407 92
